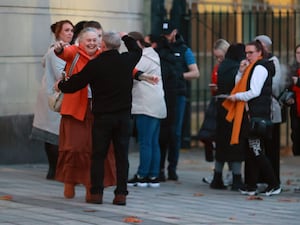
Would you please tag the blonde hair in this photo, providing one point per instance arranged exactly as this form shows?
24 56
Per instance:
221 44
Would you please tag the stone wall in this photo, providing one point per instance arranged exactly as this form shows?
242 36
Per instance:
25 37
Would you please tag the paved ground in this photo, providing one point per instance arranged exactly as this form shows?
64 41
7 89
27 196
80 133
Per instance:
37 201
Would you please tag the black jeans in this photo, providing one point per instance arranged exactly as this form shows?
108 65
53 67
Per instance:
257 163
295 129
113 127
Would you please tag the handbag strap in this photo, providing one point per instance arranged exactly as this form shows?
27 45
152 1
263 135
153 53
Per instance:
73 64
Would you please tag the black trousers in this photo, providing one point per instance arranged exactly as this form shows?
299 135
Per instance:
167 136
295 130
113 127
257 164
273 149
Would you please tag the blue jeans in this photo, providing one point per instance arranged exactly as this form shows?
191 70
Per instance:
173 154
148 135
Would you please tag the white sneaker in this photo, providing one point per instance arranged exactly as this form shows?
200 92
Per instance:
273 191
247 191
153 182
207 180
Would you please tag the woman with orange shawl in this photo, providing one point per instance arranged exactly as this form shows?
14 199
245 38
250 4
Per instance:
75 140
253 92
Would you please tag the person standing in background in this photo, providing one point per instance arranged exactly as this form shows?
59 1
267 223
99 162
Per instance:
295 108
148 108
178 62
46 122
278 86
219 51
78 27
251 98
234 155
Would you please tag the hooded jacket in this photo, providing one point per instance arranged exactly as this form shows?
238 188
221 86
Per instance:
75 104
149 99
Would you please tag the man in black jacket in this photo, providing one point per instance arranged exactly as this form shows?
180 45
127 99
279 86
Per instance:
110 77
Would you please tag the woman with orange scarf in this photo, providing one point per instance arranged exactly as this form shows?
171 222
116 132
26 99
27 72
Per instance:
251 97
75 141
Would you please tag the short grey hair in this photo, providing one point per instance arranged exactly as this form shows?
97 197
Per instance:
87 30
112 40
264 39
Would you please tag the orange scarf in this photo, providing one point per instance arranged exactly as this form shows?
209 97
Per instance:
236 109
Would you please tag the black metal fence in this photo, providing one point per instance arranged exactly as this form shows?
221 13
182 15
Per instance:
237 23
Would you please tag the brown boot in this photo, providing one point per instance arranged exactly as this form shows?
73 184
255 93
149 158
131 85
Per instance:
69 191
119 200
94 198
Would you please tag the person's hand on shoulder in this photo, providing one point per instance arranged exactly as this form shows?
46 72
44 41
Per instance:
122 34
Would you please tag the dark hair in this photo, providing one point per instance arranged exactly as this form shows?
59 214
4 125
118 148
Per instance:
57 27
153 38
259 47
236 52
77 29
139 37
93 24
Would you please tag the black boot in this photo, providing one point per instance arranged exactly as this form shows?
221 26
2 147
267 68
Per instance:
52 155
217 182
237 182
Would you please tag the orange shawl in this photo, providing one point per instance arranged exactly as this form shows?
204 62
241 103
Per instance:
236 109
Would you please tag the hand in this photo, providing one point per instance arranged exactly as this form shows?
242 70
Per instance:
150 78
232 98
59 46
290 101
243 65
122 34
295 79
213 87
56 86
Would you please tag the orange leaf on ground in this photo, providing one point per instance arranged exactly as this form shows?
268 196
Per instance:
198 194
254 198
288 182
132 219
288 200
6 197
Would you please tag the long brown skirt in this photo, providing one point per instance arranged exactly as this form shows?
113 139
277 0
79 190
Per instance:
75 150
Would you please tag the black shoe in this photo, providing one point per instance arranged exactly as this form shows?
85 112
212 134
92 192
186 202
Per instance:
248 191
217 181
237 182
51 173
172 175
137 181
162 177
153 182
